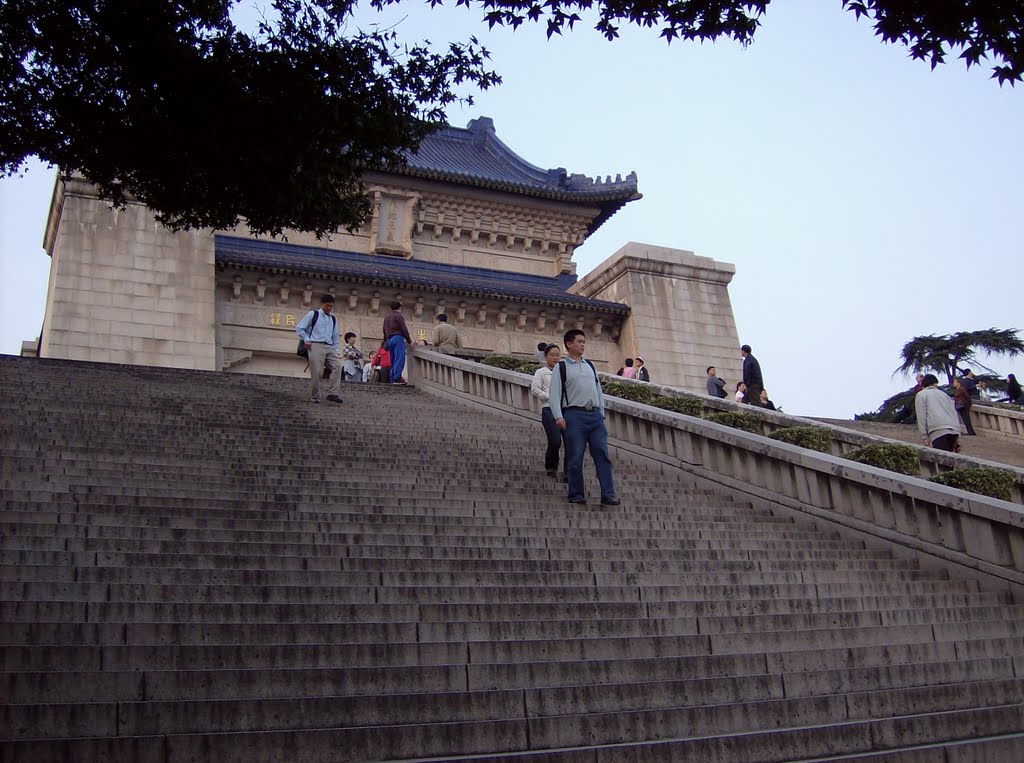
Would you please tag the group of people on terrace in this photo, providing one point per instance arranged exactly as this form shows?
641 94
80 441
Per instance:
329 363
941 419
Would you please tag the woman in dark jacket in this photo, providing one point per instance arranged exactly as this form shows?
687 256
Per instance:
1013 391
962 403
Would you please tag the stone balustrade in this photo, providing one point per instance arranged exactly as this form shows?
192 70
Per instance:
846 440
981 533
1002 421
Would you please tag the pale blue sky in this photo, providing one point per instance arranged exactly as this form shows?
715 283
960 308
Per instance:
863 198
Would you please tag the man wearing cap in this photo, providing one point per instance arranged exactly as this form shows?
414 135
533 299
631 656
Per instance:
577 405
641 370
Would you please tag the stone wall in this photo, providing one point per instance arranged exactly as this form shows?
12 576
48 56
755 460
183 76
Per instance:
257 313
437 222
681 320
124 289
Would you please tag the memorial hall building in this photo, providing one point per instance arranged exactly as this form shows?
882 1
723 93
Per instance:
467 228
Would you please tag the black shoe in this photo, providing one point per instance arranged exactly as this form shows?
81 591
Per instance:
334 399
611 502
316 401
582 501
552 473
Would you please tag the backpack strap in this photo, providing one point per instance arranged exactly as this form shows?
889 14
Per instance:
562 373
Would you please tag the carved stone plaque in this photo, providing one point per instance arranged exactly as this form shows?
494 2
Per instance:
392 224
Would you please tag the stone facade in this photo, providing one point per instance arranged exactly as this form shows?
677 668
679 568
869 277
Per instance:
681 318
124 289
493 251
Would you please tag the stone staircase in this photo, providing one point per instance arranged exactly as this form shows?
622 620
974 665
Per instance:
206 567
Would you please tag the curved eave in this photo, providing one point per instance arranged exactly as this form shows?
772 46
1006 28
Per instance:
621 193
582 304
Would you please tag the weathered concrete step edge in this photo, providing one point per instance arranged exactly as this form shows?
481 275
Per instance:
761 704
908 569
689 638
479 739
45 687
439 613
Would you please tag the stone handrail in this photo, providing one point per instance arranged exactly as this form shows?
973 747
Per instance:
846 440
1002 421
984 534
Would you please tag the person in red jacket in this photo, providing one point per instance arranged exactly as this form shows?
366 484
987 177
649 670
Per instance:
381 362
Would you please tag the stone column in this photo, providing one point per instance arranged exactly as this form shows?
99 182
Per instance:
124 289
681 320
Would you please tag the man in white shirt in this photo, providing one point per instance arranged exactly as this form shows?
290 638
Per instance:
319 331
578 409
936 416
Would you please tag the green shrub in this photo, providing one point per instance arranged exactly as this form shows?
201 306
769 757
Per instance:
896 458
994 483
502 361
509 363
1008 406
691 406
815 438
745 421
635 392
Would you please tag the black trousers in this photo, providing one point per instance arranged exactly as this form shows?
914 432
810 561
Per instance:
946 442
554 439
965 414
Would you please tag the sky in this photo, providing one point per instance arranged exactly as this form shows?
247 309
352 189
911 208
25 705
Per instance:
864 198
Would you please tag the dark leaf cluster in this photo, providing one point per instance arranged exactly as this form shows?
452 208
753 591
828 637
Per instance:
978 29
950 353
172 105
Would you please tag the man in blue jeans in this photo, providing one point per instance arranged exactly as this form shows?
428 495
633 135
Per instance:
396 335
577 404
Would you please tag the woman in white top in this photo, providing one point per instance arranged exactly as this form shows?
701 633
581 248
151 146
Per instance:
741 391
539 389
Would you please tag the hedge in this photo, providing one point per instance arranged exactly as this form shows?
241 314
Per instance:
635 392
745 421
896 458
994 483
691 406
814 438
509 363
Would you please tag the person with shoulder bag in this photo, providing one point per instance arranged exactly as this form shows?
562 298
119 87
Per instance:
320 344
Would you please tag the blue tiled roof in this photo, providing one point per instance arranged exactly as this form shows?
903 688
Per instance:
475 156
381 270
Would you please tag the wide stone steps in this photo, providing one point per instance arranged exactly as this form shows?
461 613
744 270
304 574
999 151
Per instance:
223 592
753 734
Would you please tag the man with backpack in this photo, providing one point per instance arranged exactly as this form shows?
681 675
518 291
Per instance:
319 332
577 405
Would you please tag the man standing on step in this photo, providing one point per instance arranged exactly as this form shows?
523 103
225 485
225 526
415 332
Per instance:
319 331
396 336
751 377
577 404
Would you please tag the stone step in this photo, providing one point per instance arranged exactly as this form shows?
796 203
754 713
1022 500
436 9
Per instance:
411 535
221 593
801 634
694 573
765 741
681 562
706 706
